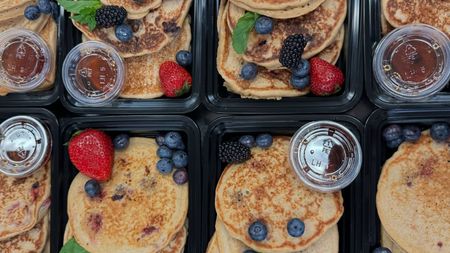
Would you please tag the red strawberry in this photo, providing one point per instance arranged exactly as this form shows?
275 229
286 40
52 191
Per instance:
326 79
175 80
92 153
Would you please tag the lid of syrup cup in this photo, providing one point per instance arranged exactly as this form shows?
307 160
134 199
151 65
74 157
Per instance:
325 155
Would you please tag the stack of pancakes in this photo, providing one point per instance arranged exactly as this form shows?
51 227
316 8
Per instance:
413 198
319 20
396 13
160 30
265 188
24 212
139 209
11 16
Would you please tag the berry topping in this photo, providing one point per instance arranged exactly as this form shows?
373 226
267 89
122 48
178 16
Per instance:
302 69
233 152
249 71
32 12
160 140
300 82
264 25
180 176
92 188
292 50
173 140
393 135
175 80
180 146
164 152
124 32
295 227
326 79
180 159
44 6
184 58
248 141
381 250
411 133
440 131
121 141
110 15
164 166
91 152
264 140
257 231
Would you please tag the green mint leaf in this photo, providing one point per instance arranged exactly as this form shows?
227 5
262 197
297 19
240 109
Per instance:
72 246
242 31
77 6
86 17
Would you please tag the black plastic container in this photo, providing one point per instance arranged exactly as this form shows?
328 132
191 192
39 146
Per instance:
163 105
218 99
376 153
42 98
49 120
372 35
145 126
222 129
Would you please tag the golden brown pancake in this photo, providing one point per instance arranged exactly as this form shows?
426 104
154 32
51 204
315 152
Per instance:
33 240
283 13
388 242
212 245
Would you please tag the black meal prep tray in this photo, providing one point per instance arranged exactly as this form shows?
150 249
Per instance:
376 153
47 97
49 120
145 126
218 99
376 95
225 128
181 105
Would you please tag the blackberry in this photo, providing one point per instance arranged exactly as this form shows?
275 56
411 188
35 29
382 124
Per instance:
292 50
233 152
110 15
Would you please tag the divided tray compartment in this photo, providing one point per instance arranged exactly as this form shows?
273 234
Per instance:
372 35
49 120
218 99
163 105
376 153
136 126
47 97
224 128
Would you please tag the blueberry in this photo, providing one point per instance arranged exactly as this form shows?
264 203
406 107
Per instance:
92 188
264 25
184 58
264 140
180 176
296 227
164 152
257 231
248 141
249 71
394 143
32 12
180 146
300 82
180 159
392 132
44 6
55 10
302 70
173 140
411 133
381 250
440 131
164 166
121 141
124 32
160 140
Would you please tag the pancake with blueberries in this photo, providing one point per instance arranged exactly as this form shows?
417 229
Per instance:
302 7
136 9
33 240
114 221
263 204
413 198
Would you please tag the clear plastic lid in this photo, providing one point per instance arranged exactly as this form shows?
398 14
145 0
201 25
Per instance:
25 60
93 73
413 62
25 146
325 155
